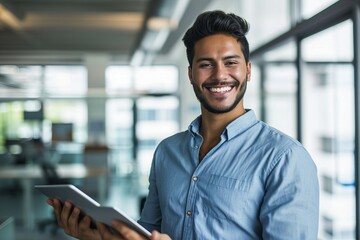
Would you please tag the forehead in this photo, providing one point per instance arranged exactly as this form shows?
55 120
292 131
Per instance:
217 44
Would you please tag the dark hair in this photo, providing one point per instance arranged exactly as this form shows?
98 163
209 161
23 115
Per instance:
213 22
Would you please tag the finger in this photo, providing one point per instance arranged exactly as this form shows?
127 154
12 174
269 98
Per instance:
85 223
73 222
155 235
86 231
125 231
57 210
50 201
101 228
65 214
104 232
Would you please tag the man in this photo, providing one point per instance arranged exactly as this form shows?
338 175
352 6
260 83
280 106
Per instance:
229 176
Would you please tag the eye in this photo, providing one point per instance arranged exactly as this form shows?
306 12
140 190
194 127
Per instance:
206 65
230 63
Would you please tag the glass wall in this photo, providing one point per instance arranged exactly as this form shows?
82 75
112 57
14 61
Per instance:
309 8
280 88
65 80
20 81
275 19
119 134
40 102
157 119
20 84
328 125
307 85
143 112
33 107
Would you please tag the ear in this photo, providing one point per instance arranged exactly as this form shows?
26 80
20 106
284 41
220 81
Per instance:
190 74
248 71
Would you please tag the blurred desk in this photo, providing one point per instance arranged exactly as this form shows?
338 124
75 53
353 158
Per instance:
27 173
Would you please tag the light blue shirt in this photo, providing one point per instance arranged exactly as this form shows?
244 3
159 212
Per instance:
256 183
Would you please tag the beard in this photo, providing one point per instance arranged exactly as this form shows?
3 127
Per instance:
218 110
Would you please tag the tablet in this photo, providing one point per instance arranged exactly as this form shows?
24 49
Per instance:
107 214
68 192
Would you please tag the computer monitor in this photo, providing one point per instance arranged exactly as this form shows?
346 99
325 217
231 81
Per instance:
62 132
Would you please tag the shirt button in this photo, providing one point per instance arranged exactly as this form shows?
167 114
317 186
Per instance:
196 146
189 213
194 178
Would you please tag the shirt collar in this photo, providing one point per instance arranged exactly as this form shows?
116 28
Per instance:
194 127
240 124
236 127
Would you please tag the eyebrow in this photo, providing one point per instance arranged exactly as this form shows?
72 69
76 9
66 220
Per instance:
224 58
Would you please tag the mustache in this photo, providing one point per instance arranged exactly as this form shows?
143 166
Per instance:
222 83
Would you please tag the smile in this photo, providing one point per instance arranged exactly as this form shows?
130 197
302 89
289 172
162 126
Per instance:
220 89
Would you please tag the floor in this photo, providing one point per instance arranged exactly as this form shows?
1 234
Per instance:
123 194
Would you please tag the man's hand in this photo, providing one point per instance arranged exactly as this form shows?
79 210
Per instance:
126 233
68 218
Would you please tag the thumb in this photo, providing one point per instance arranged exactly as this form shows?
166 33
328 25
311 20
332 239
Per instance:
155 235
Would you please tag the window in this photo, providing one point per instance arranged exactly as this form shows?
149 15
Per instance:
149 93
23 86
148 79
157 79
118 79
310 7
20 81
158 119
280 97
274 20
280 88
119 133
328 125
65 80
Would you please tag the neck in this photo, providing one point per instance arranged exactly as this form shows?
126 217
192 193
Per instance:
212 125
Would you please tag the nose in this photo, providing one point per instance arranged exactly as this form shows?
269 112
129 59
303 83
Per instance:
220 72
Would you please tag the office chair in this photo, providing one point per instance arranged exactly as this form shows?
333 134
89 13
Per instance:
50 174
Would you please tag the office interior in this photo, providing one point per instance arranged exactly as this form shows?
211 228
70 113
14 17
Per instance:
90 88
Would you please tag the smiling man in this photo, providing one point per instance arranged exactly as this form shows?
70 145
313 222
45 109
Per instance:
219 73
230 175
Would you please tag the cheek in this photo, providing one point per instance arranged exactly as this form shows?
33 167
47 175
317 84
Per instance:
239 75
196 78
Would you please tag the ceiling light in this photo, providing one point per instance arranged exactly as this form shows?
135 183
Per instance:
8 18
160 23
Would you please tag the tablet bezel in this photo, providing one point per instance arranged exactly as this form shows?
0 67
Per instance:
88 206
106 215
68 192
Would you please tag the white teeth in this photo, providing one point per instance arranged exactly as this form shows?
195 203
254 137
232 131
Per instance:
220 90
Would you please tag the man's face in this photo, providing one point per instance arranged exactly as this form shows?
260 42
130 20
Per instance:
219 73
